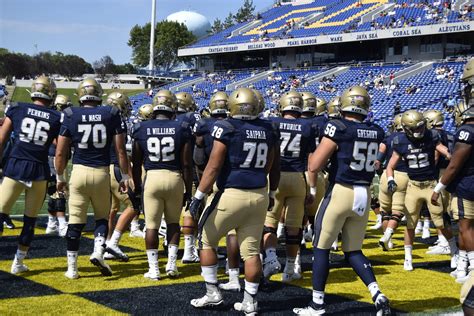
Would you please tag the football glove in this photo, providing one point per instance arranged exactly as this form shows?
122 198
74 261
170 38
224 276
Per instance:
195 207
392 186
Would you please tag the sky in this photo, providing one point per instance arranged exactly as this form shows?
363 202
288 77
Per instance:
93 28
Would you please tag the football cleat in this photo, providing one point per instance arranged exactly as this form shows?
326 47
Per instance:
137 233
171 267
408 265
308 234
383 242
335 246
377 225
390 244
248 308
439 250
210 299
312 309
281 231
426 233
108 256
97 259
454 261
8 223
72 274
52 228
62 230
298 264
18 267
289 277
270 268
117 253
152 274
190 256
461 279
382 305
233 286
419 228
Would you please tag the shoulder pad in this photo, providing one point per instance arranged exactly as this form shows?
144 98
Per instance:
339 124
13 105
68 112
435 134
396 140
136 126
114 110
226 124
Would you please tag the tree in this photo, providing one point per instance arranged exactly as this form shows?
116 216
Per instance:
245 13
217 26
125 69
229 21
104 66
169 37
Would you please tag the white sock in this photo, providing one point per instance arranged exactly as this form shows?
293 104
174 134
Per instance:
373 288
318 297
388 233
408 250
271 253
51 219
188 241
251 287
453 247
72 259
115 239
426 223
62 221
234 275
99 243
209 273
172 251
135 224
419 225
290 265
470 256
442 239
152 255
463 260
379 218
20 255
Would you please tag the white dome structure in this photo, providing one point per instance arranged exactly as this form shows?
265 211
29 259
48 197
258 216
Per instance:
196 23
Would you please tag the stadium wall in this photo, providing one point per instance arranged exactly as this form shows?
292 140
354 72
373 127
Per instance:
73 85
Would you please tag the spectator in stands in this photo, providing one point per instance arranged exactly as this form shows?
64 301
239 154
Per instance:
449 106
397 109
412 89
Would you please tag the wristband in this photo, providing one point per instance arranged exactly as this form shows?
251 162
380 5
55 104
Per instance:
390 179
199 195
60 178
439 187
125 177
272 194
312 190
381 156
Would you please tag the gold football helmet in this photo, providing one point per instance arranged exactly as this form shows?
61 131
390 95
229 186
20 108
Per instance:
165 100
309 102
145 112
414 124
62 102
463 113
397 123
355 100
468 80
243 104
43 88
120 101
260 99
468 73
89 90
291 101
186 102
219 103
334 108
321 105
434 118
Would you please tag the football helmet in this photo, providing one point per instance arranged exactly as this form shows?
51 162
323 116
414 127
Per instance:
468 80
434 118
309 102
120 101
260 99
468 73
165 100
62 102
355 100
462 113
145 112
291 101
397 123
185 102
414 124
219 103
334 107
243 104
43 88
89 90
321 105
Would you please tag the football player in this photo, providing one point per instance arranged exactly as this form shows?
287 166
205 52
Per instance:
163 146
245 149
392 204
90 129
186 113
419 148
459 177
351 146
132 207
36 126
145 112
57 201
298 139
334 108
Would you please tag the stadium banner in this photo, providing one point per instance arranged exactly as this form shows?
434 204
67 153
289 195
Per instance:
334 38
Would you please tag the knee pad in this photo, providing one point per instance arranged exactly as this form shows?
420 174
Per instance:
269 230
385 216
51 187
374 203
293 239
101 228
61 205
73 236
28 231
397 217
51 205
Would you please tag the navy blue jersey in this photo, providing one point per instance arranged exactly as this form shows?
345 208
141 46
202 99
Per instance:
113 153
248 143
419 155
191 118
298 138
445 140
35 128
204 128
463 184
161 142
320 121
388 141
91 130
357 147
52 150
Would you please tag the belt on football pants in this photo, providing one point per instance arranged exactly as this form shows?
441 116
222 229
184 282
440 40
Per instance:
423 184
207 212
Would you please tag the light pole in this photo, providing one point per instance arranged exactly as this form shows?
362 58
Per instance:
152 36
